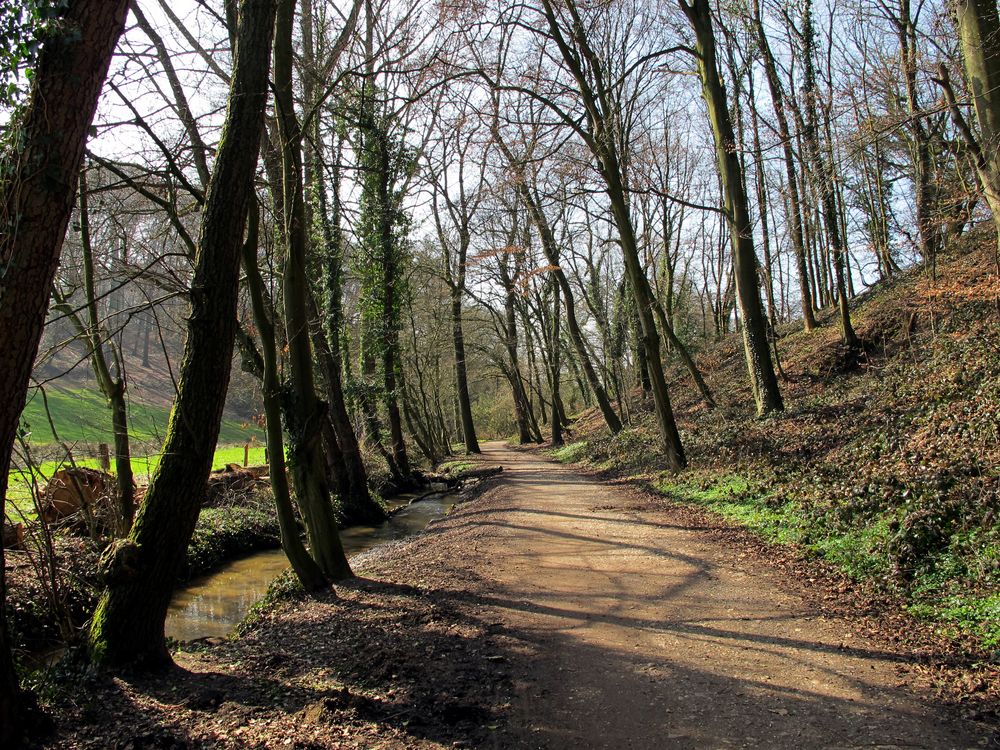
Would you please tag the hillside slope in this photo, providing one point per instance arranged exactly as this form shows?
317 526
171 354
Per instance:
151 361
885 467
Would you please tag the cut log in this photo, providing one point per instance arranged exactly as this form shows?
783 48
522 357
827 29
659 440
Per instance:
72 490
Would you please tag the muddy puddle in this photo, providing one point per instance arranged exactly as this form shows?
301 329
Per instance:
211 606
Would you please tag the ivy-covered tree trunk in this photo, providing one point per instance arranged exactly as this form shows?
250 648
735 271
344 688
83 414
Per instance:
513 367
753 319
391 367
358 505
37 186
385 166
304 413
140 571
356 502
305 567
651 366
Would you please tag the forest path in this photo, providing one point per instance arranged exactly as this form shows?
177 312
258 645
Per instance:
646 633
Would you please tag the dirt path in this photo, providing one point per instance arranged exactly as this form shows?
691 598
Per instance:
647 634
549 611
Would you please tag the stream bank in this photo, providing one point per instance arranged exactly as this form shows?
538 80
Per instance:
212 605
226 534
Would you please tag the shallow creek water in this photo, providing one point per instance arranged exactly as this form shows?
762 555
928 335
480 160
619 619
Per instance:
214 604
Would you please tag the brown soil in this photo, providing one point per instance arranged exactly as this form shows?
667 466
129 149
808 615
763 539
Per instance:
552 611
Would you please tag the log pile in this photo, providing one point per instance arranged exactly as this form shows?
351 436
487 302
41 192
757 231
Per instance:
74 492
234 482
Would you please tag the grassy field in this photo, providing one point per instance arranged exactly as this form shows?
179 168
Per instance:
82 420
82 416
20 505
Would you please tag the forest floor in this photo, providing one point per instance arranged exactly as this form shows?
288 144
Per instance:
552 610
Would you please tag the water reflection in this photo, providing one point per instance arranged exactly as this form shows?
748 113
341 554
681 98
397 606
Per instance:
215 604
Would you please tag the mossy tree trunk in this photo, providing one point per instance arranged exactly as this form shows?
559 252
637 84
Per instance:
37 186
512 368
305 412
305 567
342 451
737 211
140 572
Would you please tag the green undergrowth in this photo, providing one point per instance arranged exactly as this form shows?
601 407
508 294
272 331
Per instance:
229 531
456 467
978 615
571 452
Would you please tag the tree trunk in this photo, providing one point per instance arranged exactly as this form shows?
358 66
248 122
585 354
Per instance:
112 386
359 504
514 375
979 37
685 356
823 176
391 370
305 411
601 141
552 255
754 323
35 205
461 371
791 174
305 567
128 624
554 345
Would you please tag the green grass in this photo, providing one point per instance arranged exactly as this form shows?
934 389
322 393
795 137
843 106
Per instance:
82 420
20 505
732 497
862 552
571 452
455 467
82 416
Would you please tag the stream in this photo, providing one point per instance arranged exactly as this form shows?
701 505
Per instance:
212 605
